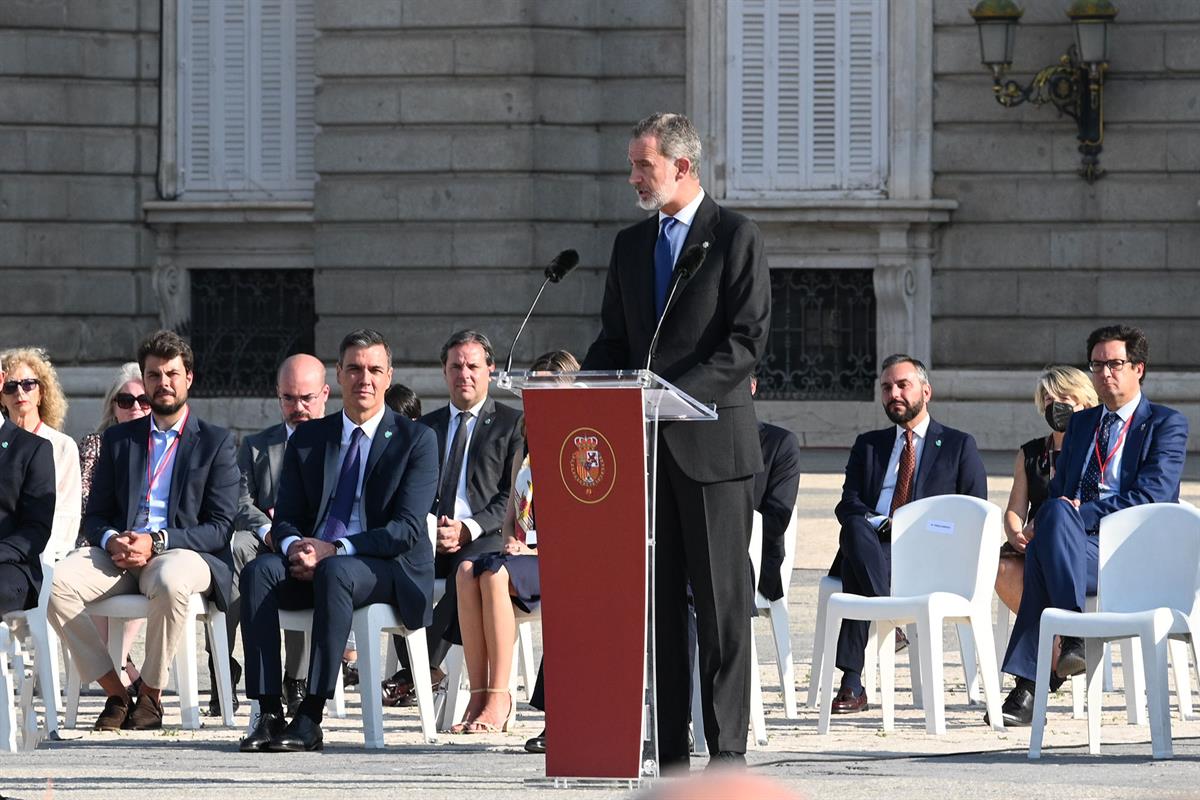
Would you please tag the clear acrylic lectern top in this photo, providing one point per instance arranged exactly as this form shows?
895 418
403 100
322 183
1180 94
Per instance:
661 401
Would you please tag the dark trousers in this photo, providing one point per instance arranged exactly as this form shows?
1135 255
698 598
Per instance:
16 592
340 584
537 698
702 536
866 569
1061 566
445 565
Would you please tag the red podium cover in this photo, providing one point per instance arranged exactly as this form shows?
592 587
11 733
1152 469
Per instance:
587 452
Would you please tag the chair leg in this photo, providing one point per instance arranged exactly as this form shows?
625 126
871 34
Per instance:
833 624
1094 656
699 742
989 678
1041 691
929 648
528 665
454 703
1000 633
71 713
218 636
818 648
1182 671
418 660
885 650
185 674
370 664
1135 681
758 720
870 660
966 650
8 705
914 665
338 701
45 653
781 632
1154 651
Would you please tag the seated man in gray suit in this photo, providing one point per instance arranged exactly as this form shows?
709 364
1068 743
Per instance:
302 391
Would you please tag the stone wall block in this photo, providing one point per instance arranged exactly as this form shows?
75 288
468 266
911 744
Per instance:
61 341
638 14
1183 150
565 198
1134 99
628 100
974 149
364 291
1183 247
113 56
486 244
1059 294
356 54
12 244
109 199
493 100
33 197
465 13
642 53
495 52
971 246
568 149
1182 50
386 245
1141 295
361 14
357 103
382 150
995 343
12 150
491 149
1126 149
112 339
355 199
464 198
112 15
569 53
971 293
568 101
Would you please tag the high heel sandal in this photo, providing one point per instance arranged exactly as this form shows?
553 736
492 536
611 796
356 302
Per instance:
465 725
478 726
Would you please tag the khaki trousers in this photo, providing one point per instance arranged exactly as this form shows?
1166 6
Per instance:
168 581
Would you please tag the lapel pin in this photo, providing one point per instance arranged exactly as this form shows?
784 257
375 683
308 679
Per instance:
937 443
4 445
487 421
387 434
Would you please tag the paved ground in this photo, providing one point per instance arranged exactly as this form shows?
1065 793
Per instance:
856 760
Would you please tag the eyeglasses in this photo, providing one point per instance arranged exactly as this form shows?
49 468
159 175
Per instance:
1113 364
125 400
301 399
27 385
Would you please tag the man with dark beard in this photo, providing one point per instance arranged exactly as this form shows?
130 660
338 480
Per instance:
158 523
916 458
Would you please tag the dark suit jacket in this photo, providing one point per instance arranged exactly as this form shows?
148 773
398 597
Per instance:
950 464
715 331
495 442
1151 459
27 497
202 501
775 491
260 460
398 487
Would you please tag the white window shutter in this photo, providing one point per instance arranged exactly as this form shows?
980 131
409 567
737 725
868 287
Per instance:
807 100
247 109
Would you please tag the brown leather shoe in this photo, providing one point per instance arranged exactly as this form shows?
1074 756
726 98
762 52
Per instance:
112 718
146 715
847 702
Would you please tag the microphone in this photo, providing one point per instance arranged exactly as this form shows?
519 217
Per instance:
558 269
687 265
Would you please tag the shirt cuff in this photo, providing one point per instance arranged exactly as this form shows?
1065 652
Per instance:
347 548
875 520
263 530
286 543
104 539
473 528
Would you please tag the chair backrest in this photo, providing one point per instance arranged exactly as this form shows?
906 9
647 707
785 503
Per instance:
950 543
1150 558
789 551
756 536
47 559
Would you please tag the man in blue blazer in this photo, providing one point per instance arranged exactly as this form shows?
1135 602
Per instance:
349 530
914 459
158 522
1125 452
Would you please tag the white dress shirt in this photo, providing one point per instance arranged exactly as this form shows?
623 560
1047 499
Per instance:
1110 480
462 504
154 499
883 508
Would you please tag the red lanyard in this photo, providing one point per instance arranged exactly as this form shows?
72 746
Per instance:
38 428
152 477
1103 460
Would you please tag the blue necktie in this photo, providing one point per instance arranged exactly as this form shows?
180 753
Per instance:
663 266
343 497
1089 486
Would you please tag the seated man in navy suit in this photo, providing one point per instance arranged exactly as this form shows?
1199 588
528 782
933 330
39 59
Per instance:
915 458
349 531
1125 452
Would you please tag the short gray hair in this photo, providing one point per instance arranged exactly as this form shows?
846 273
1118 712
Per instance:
901 358
676 136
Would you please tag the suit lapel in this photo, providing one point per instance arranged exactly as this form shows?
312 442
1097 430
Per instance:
480 435
333 442
137 443
275 448
884 444
1131 450
383 434
1081 447
644 238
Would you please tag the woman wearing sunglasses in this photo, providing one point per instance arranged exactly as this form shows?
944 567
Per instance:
32 398
125 401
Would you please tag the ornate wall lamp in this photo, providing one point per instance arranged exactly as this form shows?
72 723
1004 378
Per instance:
1075 85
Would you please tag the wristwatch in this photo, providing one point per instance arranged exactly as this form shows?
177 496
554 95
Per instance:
339 546
158 542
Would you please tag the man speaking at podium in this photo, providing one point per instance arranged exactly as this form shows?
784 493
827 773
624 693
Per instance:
714 325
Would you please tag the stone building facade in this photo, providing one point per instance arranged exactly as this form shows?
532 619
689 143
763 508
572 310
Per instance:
457 145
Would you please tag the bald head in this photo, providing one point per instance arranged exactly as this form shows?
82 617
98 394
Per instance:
301 388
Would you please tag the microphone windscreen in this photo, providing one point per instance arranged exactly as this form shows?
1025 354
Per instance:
563 263
691 259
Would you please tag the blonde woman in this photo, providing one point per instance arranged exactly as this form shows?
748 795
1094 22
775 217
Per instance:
1061 391
32 398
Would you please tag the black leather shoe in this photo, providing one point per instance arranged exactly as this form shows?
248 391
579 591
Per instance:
214 699
726 759
349 673
536 744
1017 709
270 725
901 641
847 702
1071 658
294 690
301 735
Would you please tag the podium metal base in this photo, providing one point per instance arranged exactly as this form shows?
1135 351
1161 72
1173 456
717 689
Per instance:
632 784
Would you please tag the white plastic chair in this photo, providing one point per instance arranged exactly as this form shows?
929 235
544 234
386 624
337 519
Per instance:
944 559
45 646
776 611
8 694
290 620
1149 599
524 668
124 607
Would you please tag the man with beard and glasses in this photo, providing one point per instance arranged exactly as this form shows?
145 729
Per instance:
914 459
302 391
158 522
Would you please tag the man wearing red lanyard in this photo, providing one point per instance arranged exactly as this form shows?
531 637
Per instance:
1125 452
158 519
